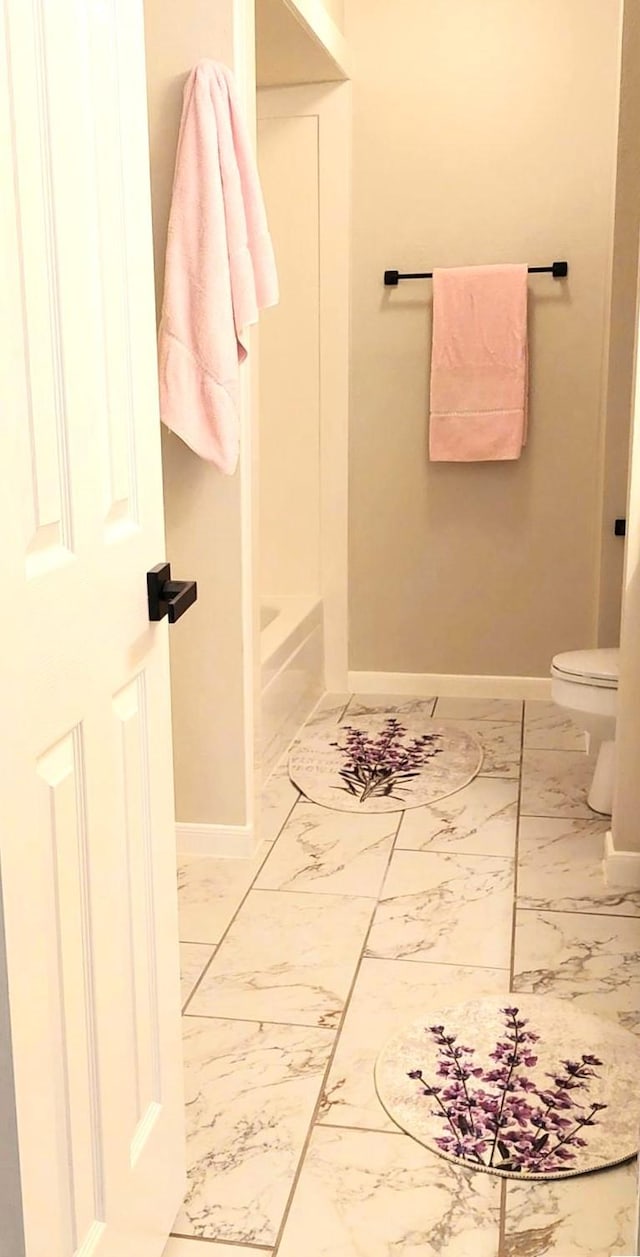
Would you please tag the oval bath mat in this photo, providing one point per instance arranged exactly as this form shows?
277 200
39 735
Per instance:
383 763
522 1086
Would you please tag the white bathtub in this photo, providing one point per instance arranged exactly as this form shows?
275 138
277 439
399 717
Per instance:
292 670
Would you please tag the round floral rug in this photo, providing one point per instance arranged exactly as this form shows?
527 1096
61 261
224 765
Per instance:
383 764
522 1086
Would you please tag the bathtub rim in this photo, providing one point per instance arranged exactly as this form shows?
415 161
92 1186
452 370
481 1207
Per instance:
297 616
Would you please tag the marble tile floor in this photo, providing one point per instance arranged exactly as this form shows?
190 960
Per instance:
299 964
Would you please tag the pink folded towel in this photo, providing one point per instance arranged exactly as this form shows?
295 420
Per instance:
479 364
220 269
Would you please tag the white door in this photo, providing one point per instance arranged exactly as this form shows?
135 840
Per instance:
87 837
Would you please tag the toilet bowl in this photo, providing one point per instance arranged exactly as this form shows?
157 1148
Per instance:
585 684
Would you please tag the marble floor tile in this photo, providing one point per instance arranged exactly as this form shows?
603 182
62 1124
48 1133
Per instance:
556 783
592 959
388 704
441 933
560 868
250 1094
481 819
445 908
501 743
288 957
387 995
373 1195
589 1216
210 891
479 709
193 958
548 728
178 1247
279 796
337 853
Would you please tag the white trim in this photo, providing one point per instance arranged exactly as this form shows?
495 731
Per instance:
429 684
331 105
243 21
602 521
224 841
334 139
637 1219
621 868
244 70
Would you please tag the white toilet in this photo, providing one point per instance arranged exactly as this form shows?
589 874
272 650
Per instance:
585 684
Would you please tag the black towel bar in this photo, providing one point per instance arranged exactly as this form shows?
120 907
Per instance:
559 270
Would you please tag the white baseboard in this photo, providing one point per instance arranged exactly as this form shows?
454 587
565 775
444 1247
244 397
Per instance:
621 868
225 841
427 685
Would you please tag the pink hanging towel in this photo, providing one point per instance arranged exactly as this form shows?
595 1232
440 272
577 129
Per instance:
479 364
219 272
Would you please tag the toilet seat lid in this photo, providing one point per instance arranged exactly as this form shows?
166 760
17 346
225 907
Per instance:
588 667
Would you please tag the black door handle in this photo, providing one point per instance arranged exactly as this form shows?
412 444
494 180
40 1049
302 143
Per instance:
167 596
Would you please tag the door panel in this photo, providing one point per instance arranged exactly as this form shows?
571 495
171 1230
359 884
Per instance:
130 715
63 821
87 836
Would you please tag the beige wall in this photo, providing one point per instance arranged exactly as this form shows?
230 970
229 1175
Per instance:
482 133
176 36
290 362
623 322
203 508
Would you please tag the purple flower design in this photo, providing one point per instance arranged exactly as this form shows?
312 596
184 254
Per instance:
375 766
500 1118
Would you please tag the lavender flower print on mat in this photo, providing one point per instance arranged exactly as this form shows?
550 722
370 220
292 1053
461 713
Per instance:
509 1089
383 764
506 1120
